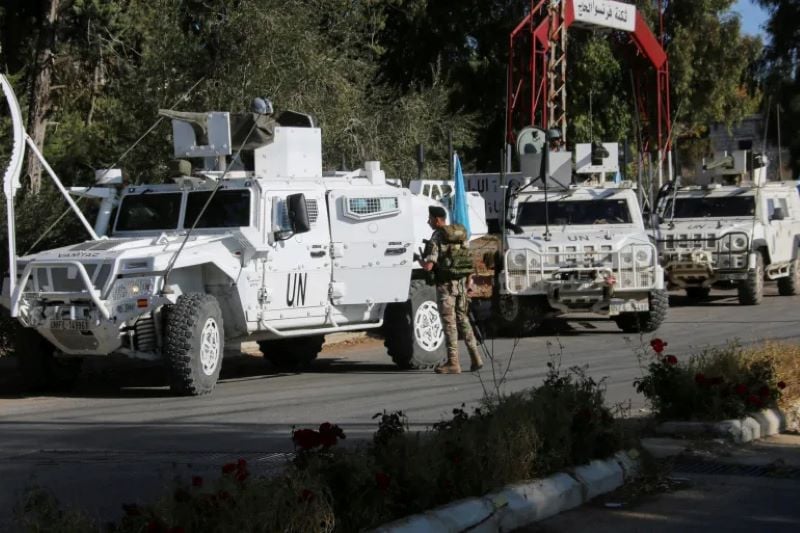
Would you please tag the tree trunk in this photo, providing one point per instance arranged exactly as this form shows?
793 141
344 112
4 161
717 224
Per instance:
40 101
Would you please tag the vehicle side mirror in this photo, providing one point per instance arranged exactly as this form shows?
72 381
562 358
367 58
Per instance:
778 214
298 213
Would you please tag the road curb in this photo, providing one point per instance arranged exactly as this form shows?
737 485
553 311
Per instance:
749 428
518 505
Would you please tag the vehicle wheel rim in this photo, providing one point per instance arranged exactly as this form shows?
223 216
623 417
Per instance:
209 347
428 327
509 308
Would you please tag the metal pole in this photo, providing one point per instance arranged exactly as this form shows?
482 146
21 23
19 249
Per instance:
780 158
450 151
61 188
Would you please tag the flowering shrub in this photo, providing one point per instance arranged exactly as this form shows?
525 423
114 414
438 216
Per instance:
716 384
328 488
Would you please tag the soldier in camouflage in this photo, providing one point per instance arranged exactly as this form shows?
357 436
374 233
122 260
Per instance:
452 300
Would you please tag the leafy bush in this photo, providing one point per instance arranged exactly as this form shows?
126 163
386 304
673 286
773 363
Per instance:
715 384
326 487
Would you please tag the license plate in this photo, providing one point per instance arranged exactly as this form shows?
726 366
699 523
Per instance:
735 275
617 308
70 325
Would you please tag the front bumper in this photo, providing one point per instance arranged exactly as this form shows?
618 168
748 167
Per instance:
607 283
80 316
701 262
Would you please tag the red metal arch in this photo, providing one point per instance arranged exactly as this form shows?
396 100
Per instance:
528 89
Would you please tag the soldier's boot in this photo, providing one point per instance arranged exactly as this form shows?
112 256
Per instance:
476 362
452 366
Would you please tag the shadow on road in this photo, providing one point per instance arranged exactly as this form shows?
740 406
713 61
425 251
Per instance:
123 378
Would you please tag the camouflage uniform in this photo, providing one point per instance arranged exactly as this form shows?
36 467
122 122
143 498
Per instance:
453 303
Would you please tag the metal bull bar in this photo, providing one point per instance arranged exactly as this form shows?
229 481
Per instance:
691 253
558 263
93 293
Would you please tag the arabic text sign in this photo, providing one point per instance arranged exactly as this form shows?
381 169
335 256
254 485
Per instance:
489 186
605 13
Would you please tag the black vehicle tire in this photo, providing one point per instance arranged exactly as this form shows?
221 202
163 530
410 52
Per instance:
516 316
413 333
648 321
790 285
698 293
751 290
292 354
194 343
41 370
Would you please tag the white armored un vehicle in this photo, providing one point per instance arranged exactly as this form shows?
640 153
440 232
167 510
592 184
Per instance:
262 247
735 230
577 247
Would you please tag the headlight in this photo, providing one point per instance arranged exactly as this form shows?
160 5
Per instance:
627 257
132 288
739 243
518 259
643 257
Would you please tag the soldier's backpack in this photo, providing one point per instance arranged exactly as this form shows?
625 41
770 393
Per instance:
455 261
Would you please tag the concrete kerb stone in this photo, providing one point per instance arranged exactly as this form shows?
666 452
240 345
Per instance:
515 506
752 427
599 477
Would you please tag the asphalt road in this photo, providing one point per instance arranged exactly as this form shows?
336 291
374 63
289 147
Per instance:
120 436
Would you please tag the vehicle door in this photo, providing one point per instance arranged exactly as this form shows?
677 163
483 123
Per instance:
372 236
297 269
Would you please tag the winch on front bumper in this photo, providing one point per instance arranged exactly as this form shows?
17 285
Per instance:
700 261
603 281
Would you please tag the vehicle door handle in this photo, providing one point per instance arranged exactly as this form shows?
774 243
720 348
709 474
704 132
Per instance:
318 253
396 251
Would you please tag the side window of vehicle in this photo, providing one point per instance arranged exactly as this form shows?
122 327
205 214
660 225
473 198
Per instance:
784 205
770 208
361 208
426 190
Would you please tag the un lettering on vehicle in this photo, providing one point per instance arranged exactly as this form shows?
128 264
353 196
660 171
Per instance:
296 285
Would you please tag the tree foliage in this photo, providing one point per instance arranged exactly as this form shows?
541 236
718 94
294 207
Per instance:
379 75
781 70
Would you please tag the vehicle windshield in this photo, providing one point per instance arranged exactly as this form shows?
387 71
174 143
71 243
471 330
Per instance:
712 207
149 211
228 209
575 212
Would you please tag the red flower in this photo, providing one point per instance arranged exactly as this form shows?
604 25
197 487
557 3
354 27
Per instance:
658 345
197 481
306 439
382 480
781 385
241 464
671 360
327 427
229 468
306 496
763 391
242 475
700 379
754 400
740 389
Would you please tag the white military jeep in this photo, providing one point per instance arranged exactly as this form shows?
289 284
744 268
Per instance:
734 231
596 257
270 250
578 248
